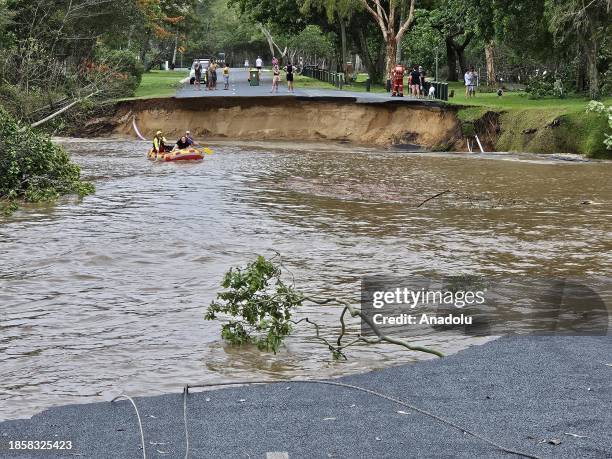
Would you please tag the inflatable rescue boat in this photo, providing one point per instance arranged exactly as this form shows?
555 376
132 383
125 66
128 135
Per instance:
186 154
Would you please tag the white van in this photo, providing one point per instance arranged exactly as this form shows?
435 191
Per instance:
204 63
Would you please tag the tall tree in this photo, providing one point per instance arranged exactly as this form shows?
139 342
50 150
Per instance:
387 17
585 22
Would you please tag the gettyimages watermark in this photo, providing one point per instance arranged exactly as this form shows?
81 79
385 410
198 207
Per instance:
473 305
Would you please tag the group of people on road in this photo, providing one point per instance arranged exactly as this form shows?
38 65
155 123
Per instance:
211 75
276 76
418 84
276 73
420 87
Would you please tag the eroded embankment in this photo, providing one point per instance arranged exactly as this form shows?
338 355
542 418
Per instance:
428 125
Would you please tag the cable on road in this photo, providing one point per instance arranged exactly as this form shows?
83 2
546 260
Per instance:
347 386
142 439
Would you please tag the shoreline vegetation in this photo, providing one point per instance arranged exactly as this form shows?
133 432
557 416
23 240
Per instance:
33 168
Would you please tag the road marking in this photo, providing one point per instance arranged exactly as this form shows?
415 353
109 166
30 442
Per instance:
277 455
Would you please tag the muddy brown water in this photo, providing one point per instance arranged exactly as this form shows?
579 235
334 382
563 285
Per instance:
107 295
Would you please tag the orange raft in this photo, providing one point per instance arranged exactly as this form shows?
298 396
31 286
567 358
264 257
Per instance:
186 154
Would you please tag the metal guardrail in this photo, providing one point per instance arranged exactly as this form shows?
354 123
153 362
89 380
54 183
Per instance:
337 79
441 90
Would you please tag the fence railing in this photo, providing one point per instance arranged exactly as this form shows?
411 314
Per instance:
337 79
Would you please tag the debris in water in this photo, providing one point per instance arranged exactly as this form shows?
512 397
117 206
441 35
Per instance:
329 419
402 412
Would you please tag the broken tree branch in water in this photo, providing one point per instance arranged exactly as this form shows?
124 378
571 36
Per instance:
433 197
260 306
381 337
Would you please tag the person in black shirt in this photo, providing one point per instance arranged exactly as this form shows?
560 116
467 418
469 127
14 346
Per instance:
415 81
289 69
182 143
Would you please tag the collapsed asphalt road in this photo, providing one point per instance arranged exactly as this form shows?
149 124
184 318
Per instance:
544 396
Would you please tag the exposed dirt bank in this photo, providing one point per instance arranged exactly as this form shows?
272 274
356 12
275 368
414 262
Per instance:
546 130
421 123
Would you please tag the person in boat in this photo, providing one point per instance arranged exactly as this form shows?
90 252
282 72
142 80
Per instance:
159 142
182 143
190 139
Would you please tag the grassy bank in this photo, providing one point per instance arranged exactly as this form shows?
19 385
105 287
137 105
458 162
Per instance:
159 83
549 125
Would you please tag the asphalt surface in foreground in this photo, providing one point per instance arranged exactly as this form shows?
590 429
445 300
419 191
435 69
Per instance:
545 396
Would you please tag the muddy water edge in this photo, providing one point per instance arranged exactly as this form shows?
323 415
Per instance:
107 294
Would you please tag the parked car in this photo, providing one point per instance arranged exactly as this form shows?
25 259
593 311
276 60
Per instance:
204 63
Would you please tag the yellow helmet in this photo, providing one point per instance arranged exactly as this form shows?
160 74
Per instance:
158 132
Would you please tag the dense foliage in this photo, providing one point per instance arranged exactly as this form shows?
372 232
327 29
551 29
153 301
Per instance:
598 107
259 305
32 168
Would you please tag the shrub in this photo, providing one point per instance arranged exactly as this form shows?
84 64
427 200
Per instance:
122 65
32 168
544 85
597 107
259 304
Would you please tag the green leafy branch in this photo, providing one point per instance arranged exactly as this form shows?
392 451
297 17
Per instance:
260 306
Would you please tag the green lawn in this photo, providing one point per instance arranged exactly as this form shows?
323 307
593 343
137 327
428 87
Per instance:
159 83
517 100
304 82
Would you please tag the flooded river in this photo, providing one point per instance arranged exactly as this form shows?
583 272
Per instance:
107 295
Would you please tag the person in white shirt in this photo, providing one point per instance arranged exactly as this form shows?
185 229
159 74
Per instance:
470 82
259 65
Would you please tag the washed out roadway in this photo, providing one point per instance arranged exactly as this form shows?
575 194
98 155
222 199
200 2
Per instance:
547 396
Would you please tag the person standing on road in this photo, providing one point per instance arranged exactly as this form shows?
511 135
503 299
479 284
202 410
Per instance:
275 79
289 69
226 73
423 87
214 75
415 81
209 76
259 65
198 75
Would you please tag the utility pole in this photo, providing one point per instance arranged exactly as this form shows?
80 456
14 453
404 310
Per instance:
437 64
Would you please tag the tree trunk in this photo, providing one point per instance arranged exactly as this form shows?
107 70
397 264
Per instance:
390 55
461 57
175 49
489 55
591 57
451 60
371 66
343 39
398 53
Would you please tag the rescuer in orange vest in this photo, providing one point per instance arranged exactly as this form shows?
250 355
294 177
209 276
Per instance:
397 81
